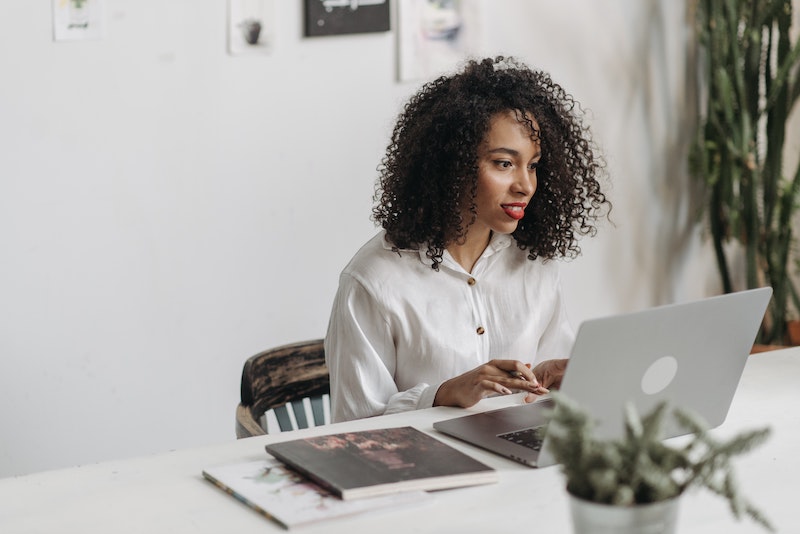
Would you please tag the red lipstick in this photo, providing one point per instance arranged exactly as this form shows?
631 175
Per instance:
515 210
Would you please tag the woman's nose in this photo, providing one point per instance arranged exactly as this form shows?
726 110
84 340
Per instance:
525 182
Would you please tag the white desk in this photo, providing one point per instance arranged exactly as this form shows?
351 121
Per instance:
167 494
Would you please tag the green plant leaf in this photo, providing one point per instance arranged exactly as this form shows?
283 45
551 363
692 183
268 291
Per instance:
749 66
640 467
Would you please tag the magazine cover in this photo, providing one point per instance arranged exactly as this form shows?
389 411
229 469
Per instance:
377 462
291 500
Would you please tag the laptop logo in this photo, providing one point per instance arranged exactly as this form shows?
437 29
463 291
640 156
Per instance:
659 375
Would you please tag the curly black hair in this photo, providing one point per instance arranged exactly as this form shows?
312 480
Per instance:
428 177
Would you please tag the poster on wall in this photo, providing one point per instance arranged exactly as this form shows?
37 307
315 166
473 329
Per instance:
77 20
337 17
435 36
251 27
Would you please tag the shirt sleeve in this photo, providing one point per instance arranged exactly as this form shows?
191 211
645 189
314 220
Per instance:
361 358
559 336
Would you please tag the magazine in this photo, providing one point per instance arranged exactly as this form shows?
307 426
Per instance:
369 463
291 500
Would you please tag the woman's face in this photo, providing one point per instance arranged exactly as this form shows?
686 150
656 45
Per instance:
507 161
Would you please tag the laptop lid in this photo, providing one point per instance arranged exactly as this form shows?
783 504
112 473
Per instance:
690 354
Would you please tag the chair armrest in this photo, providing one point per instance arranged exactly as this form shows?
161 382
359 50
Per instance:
246 425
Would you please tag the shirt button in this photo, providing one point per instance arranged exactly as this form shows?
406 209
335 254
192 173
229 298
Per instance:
471 281
480 330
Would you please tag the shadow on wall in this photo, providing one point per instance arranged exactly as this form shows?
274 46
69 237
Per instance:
658 81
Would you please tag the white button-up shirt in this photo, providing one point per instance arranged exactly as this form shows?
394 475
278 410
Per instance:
398 329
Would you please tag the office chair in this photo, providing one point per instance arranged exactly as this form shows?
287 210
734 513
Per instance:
284 388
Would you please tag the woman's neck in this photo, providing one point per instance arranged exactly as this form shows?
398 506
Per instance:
467 253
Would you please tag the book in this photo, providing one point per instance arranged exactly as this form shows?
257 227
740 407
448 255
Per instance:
384 461
278 493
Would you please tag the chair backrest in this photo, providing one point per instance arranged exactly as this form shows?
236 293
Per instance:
287 387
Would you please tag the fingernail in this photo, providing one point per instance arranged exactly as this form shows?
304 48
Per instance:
506 391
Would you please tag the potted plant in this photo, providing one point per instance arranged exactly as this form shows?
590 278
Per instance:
749 83
633 484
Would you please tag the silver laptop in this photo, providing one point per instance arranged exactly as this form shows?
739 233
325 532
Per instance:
692 355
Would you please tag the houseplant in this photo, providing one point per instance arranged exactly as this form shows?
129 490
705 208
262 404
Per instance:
749 83
639 476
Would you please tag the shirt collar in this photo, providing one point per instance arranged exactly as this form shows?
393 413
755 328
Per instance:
497 243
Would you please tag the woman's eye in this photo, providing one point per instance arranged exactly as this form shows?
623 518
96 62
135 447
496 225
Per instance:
533 166
503 164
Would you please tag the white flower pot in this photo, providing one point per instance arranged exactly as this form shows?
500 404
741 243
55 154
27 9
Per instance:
593 518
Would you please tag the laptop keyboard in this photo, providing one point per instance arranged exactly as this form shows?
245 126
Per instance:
530 437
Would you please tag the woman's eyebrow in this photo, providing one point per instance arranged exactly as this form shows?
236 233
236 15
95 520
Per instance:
503 150
511 152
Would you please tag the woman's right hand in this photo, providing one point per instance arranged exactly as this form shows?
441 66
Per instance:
495 377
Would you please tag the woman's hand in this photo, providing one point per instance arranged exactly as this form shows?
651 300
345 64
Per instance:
550 373
497 376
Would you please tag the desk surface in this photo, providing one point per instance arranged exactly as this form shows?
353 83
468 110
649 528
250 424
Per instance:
166 492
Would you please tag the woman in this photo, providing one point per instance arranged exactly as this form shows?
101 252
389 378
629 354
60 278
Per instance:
489 174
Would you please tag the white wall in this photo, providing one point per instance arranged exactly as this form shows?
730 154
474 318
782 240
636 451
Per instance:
167 210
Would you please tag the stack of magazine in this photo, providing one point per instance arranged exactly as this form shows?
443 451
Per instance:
318 478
